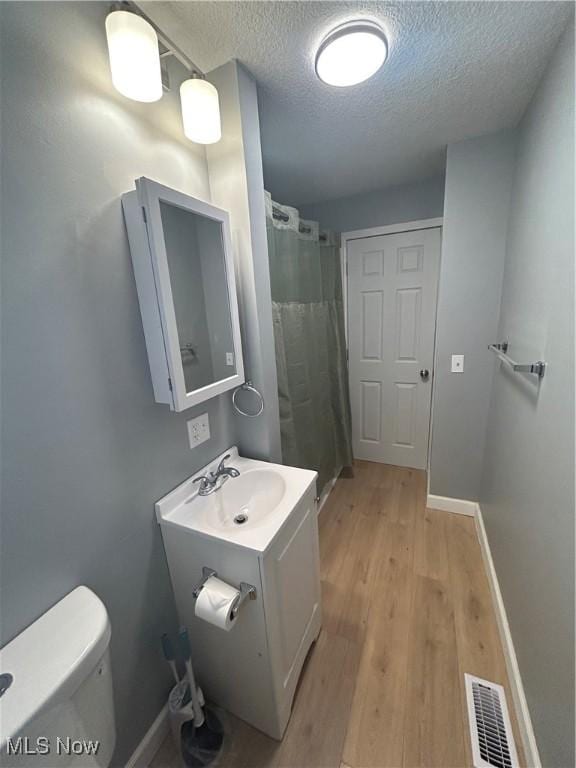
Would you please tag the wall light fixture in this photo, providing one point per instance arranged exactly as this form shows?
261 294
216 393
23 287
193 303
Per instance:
136 46
200 111
134 56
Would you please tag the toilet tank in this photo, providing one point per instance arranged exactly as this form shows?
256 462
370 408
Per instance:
57 708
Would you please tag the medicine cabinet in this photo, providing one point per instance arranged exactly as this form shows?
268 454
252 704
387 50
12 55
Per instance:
184 269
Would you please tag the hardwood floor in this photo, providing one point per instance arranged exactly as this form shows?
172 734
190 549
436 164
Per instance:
406 612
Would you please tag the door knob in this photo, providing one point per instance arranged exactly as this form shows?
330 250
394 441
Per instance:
424 374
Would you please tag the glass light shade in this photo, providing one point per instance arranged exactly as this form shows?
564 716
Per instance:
351 53
134 56
200 111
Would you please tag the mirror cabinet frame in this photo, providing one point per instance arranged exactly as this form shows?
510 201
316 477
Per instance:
142 213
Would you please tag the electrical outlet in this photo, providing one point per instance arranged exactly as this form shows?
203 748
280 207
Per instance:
457 364
229 358
198 430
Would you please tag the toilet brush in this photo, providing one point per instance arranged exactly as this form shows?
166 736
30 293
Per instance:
196 705
203 736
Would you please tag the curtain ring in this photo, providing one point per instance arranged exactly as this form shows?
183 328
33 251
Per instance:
247 387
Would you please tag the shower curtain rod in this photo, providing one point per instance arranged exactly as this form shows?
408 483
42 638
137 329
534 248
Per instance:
281 216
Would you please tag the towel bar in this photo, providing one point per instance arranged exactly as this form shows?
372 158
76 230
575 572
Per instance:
501 350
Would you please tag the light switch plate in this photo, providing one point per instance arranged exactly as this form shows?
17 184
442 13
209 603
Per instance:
457 364
198 430
229 358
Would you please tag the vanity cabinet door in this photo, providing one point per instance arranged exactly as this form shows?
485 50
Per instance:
292 596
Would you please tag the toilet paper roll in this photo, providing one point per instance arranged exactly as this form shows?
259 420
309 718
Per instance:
217 603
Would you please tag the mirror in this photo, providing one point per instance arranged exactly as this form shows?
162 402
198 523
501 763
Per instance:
197 267
187 250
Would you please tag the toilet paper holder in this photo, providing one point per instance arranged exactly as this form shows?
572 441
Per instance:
247 591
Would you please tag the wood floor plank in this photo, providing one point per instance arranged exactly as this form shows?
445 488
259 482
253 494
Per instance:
411 484
478 639
431 547
246 747
342 493
375 734
316 732
337 525
369 473
347 588
433 730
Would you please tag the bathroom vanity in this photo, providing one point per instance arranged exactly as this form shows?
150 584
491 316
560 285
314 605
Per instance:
259 528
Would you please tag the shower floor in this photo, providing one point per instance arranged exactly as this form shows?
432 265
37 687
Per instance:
407 611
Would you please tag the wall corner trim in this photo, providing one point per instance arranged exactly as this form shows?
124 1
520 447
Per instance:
448 504
531 753
150 744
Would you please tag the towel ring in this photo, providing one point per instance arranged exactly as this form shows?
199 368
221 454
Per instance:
247 387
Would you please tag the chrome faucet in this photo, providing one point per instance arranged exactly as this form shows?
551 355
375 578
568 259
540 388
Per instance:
213 481
222 470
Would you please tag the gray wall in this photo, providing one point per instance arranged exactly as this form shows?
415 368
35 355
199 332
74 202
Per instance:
390 205
527 492
236 183
478 184
85 449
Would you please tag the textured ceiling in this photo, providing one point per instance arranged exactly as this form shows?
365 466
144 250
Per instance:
455 70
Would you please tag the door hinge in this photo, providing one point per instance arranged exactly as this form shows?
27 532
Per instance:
144 215
170 384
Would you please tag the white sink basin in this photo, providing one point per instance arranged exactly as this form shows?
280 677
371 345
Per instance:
245 501
247 510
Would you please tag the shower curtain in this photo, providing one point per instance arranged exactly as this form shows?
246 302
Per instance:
311 364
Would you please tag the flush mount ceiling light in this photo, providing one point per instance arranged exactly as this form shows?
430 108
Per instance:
134 56
351 53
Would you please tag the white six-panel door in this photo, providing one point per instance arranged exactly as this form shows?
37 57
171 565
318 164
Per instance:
392 289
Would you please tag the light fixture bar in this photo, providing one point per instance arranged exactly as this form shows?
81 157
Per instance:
198 97
171 49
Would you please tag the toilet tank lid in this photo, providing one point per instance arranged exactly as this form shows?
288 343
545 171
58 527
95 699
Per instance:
51 658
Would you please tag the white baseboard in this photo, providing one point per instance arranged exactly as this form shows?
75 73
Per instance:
520 704
150 744
448 504
328 490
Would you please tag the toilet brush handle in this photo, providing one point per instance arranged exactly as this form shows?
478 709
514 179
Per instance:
187 653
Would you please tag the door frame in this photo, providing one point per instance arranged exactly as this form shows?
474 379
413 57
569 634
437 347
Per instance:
395 229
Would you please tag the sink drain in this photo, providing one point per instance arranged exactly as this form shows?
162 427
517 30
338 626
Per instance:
241 518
